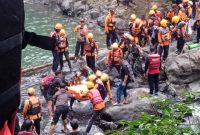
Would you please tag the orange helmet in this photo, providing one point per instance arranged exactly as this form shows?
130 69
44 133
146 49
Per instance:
137 21
154 7
58 26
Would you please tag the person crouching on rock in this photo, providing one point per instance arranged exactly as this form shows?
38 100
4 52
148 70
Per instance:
90 48
114 58
64 49
104 78
61 102
126 76
98 104
32 109
152 70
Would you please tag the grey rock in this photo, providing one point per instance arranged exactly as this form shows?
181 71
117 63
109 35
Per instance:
184 68
121 24
94 14
139 101
100 21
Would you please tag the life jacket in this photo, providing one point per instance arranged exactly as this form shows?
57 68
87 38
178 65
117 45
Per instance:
96 97
116 57
82 31
182 15
90 48
63 44
47 81
136 30
170 15
165 35
158 14
180 32
27 133
34 109
109 22
154 64
131 75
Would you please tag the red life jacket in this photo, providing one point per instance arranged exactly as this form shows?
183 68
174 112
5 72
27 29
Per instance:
90 48
96 97
27 133
47 80
154 64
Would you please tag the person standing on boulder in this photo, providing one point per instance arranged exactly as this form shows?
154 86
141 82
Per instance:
64 49
90 48
32 109
152 70
181 35
164 39
61 102
110 22
82 31
126 76
55 34
196 27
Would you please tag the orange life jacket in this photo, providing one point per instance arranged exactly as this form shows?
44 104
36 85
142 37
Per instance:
62 46
96 97
90 48
109 23
165 36
115 57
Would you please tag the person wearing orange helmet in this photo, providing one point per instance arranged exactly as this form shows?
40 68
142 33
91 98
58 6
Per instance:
55 34
136 30
157 12
132 20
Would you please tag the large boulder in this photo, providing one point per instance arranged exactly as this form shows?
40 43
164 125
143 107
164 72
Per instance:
184 68
121 24
139 101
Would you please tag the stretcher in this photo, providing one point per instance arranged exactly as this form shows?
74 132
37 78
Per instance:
79 92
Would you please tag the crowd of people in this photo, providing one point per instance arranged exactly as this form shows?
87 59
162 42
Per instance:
125 50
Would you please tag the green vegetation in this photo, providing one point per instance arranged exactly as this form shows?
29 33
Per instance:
169 120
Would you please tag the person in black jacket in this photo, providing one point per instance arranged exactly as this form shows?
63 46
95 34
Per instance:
13 38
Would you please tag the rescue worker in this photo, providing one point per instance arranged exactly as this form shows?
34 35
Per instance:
61 103
194 9
32 109
181 35
64 49
90 48
157 12
182 14
55 52
164 39
132 21
125 41
189 9
28 128
98 85
137 28
114 58
198 12
97 102
174 27
144 31
82 32
152 70
126 74
111 35
170 14
196 27
52 90
75 128
105 79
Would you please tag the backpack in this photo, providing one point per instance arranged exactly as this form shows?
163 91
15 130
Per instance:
47 81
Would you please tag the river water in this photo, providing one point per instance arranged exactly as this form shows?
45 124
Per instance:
41 19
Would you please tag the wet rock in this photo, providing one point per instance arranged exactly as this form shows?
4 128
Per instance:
139 101
66 4
184 68
94 14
